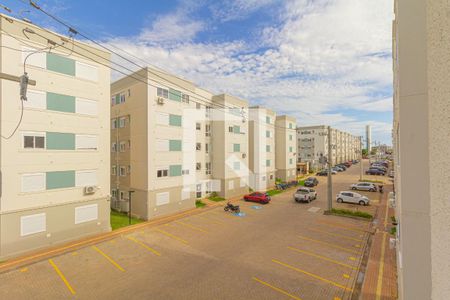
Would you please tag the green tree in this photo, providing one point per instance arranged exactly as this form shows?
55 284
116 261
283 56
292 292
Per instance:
365 152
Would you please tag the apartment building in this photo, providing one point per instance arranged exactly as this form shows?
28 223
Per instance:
261 148
173 142
285 148
230 144
312 143
55 167
421 64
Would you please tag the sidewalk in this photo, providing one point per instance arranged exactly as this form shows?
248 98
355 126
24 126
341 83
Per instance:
380 280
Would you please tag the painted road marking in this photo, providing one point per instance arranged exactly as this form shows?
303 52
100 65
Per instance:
352 258
171 236
381 268
144 245
61 275
108 258
341 226
322 257
336 234
192 226
311 275
276 289
74 253
211 220
330 245
23 270
346 276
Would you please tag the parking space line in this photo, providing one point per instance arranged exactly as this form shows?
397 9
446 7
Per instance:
171 236
143 245
108 258
61 275
276 289
214 221
322 257
330 245
311 275
336 234
191 226
342 226
381 268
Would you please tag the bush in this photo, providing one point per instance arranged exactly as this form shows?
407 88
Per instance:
393 230
199 203
274 192
347 212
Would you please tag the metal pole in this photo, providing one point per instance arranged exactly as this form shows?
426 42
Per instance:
330 184
360 159
129 206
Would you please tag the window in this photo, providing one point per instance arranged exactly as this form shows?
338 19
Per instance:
230 129
268 133
175 120
122 98
85 178
207 111
174 95
267 148
122 171
175 145
290 137
198 126
36 99
290 125
199 191
162 172
162 118
198 105
208 168
33 182
162 145
34 140
85 71
86 142
290 161
236 165
33 224
185 98
236 129
185 193
268 163
114 123
198 146
86 213
114 194
122 146
208 130
185 172
198 166
59 179
113 170
206 148
113 147
162 92
60 141
162 198
231 184
236 147
271 177
175 170
122 121
263 178
267 119
290 149
129 169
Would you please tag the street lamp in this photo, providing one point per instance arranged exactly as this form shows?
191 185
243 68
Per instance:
129 206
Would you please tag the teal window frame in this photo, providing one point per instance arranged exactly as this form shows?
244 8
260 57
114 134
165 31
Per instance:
59 141
236 129
267 148
267 162
236 147
60 64
175 145
60 102
175 170
175 120
59 180
174 95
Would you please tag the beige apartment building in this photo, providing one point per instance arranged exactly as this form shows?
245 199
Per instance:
55 168
421 134
262 148
312 143
173 142
285 148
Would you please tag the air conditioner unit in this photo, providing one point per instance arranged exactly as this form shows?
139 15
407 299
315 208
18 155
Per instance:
160 100
88 190
244 155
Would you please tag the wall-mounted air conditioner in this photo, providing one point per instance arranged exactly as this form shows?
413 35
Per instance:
160 100
89 190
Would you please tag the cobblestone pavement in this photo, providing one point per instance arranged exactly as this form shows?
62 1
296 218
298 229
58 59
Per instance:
277 251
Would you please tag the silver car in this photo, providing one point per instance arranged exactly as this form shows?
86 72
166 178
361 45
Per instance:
352 197
305 195
364 186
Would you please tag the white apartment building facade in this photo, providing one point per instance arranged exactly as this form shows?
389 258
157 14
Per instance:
261 148
421 64
285 148
312 143
55 168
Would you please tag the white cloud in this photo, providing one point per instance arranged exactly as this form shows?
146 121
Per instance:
324 56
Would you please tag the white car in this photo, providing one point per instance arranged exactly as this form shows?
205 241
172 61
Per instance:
352 197
364 186
305 195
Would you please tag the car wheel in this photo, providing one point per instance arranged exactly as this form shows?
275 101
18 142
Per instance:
226 208
339 200
362 203
371 190
353 188
309 200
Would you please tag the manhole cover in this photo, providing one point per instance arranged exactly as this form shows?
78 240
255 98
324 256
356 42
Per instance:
314 209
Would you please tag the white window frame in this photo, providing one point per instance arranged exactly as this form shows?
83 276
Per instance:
122 146
78 138
34 134
113 170
122 122
39 101
162 92
162 118
92 214
80 182
163 200
42 224
41 187
164 172
122 171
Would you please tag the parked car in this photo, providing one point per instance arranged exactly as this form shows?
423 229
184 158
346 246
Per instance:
375 172
352 197
311 182
305 195
258 197
325 173
347 164
342 166
391 173
364 186
381 167
337 169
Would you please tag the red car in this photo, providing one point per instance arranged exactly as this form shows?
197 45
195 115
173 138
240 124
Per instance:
257 197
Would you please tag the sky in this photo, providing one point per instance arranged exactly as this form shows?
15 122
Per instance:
325 62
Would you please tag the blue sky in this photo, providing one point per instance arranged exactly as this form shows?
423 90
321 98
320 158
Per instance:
322 61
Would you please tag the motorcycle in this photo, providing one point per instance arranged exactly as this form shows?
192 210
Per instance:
380 188
233 208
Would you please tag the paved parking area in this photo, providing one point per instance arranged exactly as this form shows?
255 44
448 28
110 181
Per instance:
278 251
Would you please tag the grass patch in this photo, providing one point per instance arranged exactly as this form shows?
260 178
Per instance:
393 230
216 198
199 203
274 192
302 182
373 181
119 220
347 212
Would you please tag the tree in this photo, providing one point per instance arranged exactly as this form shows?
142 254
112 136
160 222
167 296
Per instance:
365 152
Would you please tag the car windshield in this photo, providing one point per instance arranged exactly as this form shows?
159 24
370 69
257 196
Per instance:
303 191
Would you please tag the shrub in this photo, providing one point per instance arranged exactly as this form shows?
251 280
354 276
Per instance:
199 203
347 212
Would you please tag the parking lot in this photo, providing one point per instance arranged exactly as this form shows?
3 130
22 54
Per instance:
280 250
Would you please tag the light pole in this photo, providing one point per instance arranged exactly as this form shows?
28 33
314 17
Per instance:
129 206
330 184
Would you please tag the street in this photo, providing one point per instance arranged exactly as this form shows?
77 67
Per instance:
277 251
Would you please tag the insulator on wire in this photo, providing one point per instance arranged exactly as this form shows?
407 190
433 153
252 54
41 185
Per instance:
23 86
